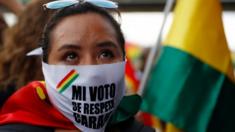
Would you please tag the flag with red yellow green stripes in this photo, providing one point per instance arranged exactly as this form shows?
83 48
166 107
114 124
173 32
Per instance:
192 85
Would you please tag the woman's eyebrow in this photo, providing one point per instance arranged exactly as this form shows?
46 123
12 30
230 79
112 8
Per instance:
107 44
69 46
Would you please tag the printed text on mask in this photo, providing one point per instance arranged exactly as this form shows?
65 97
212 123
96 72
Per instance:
94 114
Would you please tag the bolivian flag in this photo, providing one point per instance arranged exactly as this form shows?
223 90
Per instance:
131 80
67 81
192 85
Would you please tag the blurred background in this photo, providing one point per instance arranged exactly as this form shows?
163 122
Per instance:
141 21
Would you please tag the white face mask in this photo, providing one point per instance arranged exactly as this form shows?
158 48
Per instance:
87 95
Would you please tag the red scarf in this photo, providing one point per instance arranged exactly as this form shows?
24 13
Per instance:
26 106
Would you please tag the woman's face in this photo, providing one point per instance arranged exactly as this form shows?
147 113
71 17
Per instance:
84 39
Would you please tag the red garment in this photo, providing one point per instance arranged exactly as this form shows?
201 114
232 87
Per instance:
25 106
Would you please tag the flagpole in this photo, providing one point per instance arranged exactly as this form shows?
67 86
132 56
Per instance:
154 53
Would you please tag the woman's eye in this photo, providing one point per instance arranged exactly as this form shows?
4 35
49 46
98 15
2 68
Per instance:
107 54
71 56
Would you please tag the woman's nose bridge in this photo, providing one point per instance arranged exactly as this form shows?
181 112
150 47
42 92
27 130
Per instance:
88 59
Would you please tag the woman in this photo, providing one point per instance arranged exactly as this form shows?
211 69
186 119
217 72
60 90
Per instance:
83 66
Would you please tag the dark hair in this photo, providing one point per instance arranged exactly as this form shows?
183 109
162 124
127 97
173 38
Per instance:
78 9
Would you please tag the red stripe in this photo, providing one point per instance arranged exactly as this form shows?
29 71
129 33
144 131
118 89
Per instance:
130 72
147 119
65 78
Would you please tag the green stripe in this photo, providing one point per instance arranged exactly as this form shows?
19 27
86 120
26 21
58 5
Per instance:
183 90
68 84
223 117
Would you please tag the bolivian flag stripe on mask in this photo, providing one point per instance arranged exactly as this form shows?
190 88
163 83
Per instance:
67 81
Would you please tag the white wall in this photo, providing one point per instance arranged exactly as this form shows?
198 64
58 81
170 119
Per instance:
142 28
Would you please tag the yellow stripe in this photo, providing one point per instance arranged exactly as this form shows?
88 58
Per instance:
43 82
157 123
40 93
198 30
162 127
130 85
171 128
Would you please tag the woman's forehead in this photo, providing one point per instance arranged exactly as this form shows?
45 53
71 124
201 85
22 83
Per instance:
83 27
86 22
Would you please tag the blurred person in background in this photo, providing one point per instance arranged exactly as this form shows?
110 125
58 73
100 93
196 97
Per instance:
16 69
3 27
13 5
